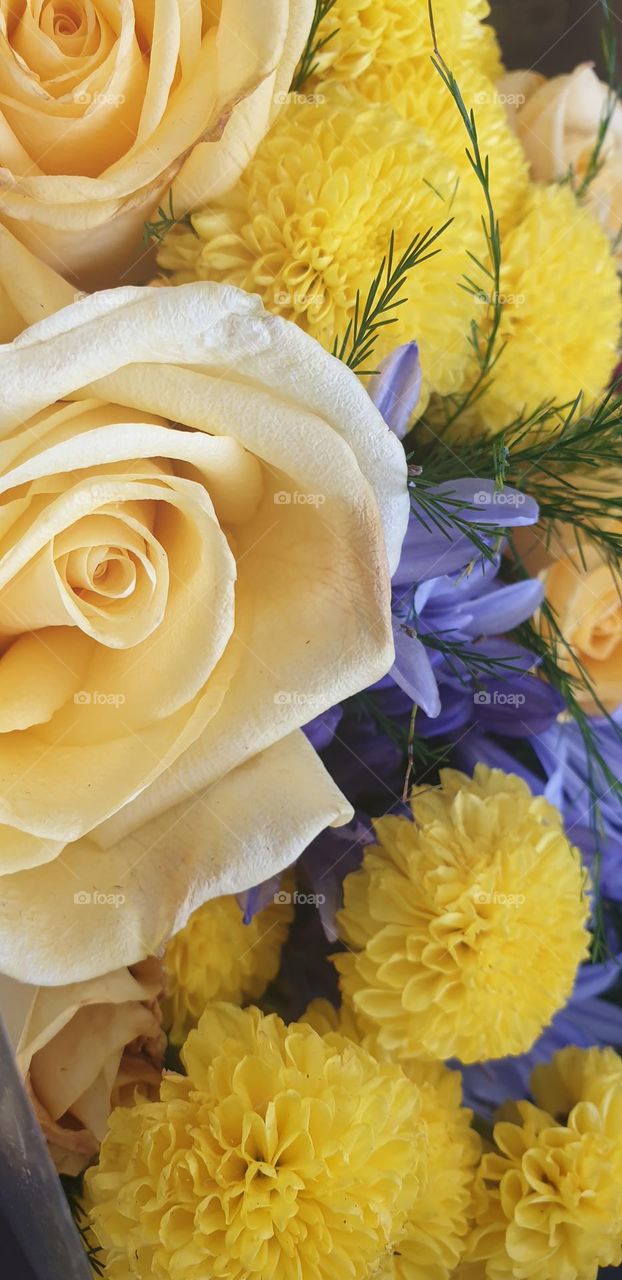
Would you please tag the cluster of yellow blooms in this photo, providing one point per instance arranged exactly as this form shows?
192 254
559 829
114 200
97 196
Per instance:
374 145
338 1145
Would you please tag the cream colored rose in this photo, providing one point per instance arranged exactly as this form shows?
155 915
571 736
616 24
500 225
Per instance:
104 105
197 506
557 122
84 1049
585 592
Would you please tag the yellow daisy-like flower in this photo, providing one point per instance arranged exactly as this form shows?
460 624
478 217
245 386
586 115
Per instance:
437 1226
311 219
219 957
282 1154
385 48
420 97
561 310
385 33
549 1198
466 926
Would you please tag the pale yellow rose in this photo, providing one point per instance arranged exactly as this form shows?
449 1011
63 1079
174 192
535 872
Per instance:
84 1049
104 105
198 505
557 122
585 591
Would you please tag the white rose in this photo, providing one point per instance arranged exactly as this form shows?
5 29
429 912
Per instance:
197 506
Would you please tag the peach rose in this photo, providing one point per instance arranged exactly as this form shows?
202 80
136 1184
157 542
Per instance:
557 122
198 502
585 592
84 1049
108 110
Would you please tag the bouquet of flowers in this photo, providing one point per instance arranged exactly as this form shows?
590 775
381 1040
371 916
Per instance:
310 645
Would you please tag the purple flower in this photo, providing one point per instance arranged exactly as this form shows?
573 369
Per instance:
395 389
444 588
427 552
328 860
321 730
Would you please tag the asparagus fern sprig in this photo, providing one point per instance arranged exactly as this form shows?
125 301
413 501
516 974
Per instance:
159 227
315 43
385 294
610 60
484 346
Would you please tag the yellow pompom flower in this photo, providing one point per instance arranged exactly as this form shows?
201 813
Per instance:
219 957
465 927
385 33
549 1198
310 221
562 310
385 48
281 1154
421 99
437 1226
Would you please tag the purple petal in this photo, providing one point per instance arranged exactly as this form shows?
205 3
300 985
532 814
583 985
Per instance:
428 553
321 730
396 388
328 860
484 503
505 607
251 901
412 671
518 706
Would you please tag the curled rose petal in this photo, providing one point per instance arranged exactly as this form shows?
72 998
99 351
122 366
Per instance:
200 511
82 1049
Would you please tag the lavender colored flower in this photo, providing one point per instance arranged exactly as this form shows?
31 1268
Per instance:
396 388
328 860
321 730
445 590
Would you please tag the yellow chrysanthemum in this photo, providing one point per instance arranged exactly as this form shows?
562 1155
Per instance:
282 1154
311 219
385 48
466 926
218 957
436 1230
386 33
549 1199
561 310
420 97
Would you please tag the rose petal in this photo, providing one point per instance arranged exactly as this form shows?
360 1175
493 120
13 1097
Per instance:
268 809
